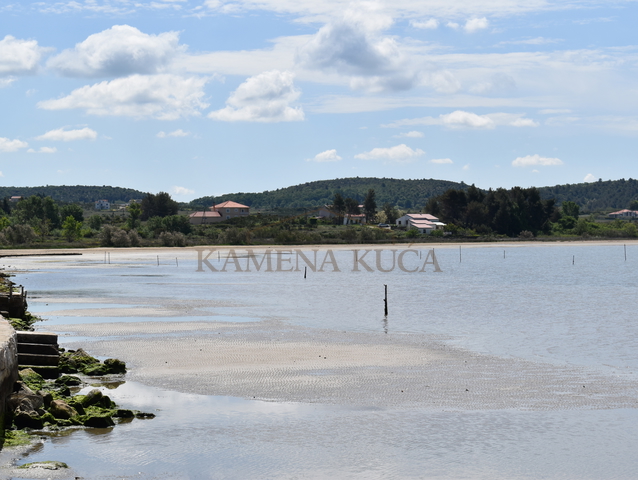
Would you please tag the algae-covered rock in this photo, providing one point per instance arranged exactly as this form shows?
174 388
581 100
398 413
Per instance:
99 421
62 410
115 366
75 361
31 379
45 465
144 415
68 380
124 413
96 370
77 405
91 398
28 420
106 402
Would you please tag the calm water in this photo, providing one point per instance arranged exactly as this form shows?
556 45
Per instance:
559 304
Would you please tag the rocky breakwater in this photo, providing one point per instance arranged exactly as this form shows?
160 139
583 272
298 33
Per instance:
37 403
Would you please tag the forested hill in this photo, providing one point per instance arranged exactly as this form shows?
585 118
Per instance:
595 196
403 193
75 194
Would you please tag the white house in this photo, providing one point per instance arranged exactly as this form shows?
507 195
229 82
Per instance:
102 205
624 214
424 222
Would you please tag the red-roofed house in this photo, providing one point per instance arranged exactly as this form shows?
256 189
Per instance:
218 213
624 214
424 222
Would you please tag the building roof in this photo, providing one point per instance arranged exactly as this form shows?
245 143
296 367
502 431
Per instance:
423 216
229 204
208 214
620 212
422 224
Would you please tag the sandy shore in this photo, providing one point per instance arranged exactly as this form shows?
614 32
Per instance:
273 361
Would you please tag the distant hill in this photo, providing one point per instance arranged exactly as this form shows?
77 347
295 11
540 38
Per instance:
595 196
409 194
75 194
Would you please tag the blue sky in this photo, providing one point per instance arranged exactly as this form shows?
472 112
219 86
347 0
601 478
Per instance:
212 96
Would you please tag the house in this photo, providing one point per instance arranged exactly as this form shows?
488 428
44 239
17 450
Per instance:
424 222
326 212
102 205
15 198
219 213
354 219
624 214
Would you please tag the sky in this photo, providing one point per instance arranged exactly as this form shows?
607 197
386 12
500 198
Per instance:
206 97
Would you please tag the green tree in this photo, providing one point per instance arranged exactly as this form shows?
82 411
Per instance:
160 205
96 221
391 213
339 206
134 213
570 209
71 228
74 210
352 206
370 205
39 212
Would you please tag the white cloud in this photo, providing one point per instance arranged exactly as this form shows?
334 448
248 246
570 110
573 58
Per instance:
182 191
61 135
353 46
43 150
7 145
118 51
165 97
589 178
554 111
462 119
177 133
1 174
476 24
452 25
5 82
441 161
263 98
534 160
412 134
19 57
327 156
497 84
466 166
399 153
531 41
429 24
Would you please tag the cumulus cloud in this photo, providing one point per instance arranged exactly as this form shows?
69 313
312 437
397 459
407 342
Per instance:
429 24
43 150
182 191
412 134
164 96
327 156
399 153
476 24
7 145
453 25
61 135
536 160
498 83
589 178
463 119
19 57
177 133
442 161
118 51
354 46
263 98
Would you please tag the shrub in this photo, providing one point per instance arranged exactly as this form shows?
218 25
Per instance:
19 234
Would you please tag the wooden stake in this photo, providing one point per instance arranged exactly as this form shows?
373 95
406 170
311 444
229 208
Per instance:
573 257
176 262
385 300
625 245
305 269
460 254
158 260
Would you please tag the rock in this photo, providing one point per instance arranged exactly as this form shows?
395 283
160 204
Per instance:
32 379
47 397
124 413
106 402
68 380
91 398
99 421
96 370
46 465
78 407
144 415
24 402
28 420
115 366
61 409
75 361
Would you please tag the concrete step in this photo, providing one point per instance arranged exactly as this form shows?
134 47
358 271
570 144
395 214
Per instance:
35 359
38 337
38 348
48 372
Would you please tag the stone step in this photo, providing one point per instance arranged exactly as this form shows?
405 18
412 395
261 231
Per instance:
38 337
38 348
47 372
35 359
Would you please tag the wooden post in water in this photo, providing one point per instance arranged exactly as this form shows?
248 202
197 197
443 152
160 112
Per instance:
459 253
625 245
503 253
105 256
176 262
305 269
109 258
158 260
385 300
573 257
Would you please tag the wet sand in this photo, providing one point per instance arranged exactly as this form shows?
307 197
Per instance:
273 361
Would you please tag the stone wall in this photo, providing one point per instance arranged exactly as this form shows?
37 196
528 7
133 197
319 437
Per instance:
8 364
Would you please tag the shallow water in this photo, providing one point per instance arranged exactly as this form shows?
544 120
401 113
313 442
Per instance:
559 304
